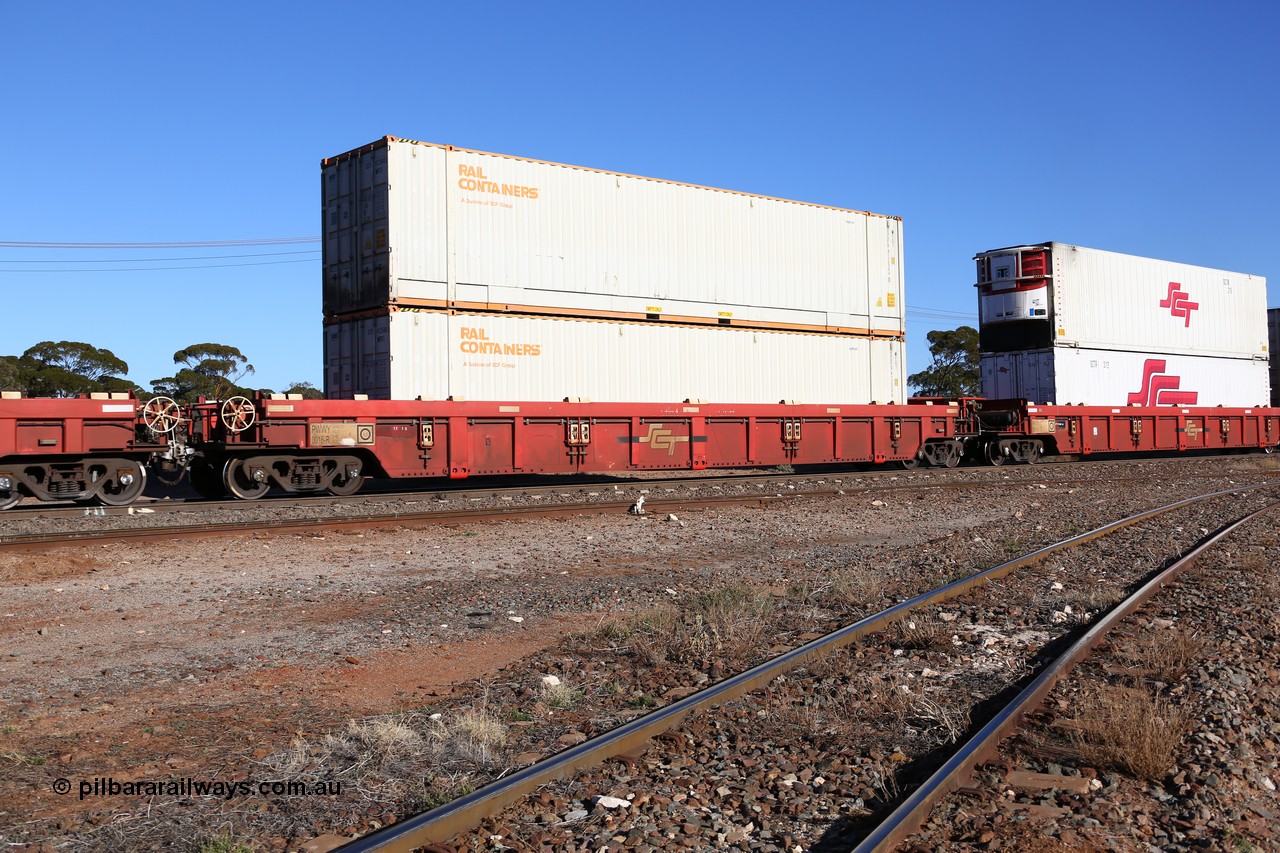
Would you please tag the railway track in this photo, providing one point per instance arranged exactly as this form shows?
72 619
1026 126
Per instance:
850 480
151 522
36 541
469 812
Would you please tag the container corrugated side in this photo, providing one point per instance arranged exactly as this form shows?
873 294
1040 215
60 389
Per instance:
1273 350
1068 376
1107 300
435 355
409 223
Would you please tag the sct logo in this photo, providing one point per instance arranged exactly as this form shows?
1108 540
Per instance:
660 438
1161 389
1178 304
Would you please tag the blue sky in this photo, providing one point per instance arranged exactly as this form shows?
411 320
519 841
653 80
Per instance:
1139 127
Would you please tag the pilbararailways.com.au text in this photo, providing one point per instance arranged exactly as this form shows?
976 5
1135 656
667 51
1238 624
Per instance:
188 787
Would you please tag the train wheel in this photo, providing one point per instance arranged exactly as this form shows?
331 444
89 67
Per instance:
10 496
124 481
343 486
207 482
992 453
910 464
954 454
1033 453
1270 448
236 479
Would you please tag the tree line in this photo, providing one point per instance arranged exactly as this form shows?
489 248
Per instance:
215 371
71 368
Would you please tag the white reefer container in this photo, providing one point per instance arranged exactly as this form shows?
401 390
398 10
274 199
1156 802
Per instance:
1070 375
1055 294
424 225
435 355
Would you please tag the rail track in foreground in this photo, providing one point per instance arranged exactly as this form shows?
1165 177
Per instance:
440 825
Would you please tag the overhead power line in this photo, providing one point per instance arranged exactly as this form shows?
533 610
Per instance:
915 312
192 244
150 260
156 269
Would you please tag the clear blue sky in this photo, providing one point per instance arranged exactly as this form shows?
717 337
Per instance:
1141 127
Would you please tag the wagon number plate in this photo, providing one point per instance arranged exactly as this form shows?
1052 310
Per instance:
341 435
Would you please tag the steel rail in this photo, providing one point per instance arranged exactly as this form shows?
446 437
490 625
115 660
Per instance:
13 541
443 823
959 769
397 519
858 481
453 489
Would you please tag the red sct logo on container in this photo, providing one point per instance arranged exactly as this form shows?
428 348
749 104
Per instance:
1160 388
1178 304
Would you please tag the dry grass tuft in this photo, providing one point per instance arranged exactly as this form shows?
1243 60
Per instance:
476 735
381 745
921 631
1129 729
387 751
889 695
730 624
1164 655
938 721
225 844
559 695
830 717
1083 599
860 587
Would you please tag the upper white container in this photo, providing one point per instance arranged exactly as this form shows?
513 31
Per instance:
1075 376
423 225
437 354
1056 294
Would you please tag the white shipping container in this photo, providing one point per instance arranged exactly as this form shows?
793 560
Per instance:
1273 342
1068 376
416 224
435 355
1056 294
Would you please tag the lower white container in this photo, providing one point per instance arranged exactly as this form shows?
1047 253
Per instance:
1067 375
436 355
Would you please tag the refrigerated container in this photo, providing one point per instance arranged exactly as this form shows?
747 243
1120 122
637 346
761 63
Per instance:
1059 295
1078 376
413 224
436 355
